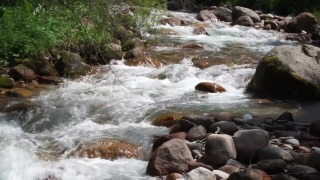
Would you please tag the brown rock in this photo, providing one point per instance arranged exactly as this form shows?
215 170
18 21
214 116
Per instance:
229 169
201 64
210 87
206 15
165 138
174 176
49 80
110 149
200 30
22 72
167 120
249 174
173 21
193 46
165 31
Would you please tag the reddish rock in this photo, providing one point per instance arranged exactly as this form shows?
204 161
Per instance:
21 72
210 87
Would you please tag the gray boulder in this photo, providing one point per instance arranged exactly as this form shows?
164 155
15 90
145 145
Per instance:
223 14
303 22
205 15
224 127
200 173
243 21
271 166
249 142
303 172
288 72
196 133
171 157
219 149
274 152
242 11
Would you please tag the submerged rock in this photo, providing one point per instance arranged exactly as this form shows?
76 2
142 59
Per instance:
288 72
173 21
110 149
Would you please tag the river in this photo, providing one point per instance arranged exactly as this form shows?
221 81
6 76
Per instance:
121 101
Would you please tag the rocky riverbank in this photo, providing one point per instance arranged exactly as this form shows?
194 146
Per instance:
225 146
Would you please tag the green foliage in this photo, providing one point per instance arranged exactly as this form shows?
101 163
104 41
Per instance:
28 27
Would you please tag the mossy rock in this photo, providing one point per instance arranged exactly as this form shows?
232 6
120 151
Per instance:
133 43
287 72
6 82
71 65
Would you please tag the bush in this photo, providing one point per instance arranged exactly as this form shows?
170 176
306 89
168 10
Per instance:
32 26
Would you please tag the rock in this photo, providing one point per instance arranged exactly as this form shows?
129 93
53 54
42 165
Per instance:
267 27
205 121
174 176
110 149
194 165
205 15
273 24
196 133
225 127
271 166
249 174
219 149
286 116
21 72
165 31
18 107
171 157
201 64
224 116
21 92
274 152
167 120
71 65
283 177
314 128
210 87
243 21
303 172
49 80
134 53
284 133
314 159
162 139
223 14
229 169
293 142
192 46
6 82
249 142
113 51
200 30
266 16
173 21
239 11
247 117
288 72
235 163
200 173
220 174
303 22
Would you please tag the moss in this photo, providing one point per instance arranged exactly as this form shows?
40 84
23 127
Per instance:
273 62
6 82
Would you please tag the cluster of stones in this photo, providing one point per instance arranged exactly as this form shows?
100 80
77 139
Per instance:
222 146
305 25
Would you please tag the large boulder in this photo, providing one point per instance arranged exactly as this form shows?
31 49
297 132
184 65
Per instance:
172 157
239 11
219 149
71 65
165 138
110 149
223 14
303 22
21 72
288 72
205 15
224 127
210 87
196 133
243 21
249 142
274 152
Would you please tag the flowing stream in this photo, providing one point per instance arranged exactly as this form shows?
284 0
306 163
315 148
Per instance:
121 101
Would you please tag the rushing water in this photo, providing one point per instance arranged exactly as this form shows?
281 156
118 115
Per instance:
120 102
